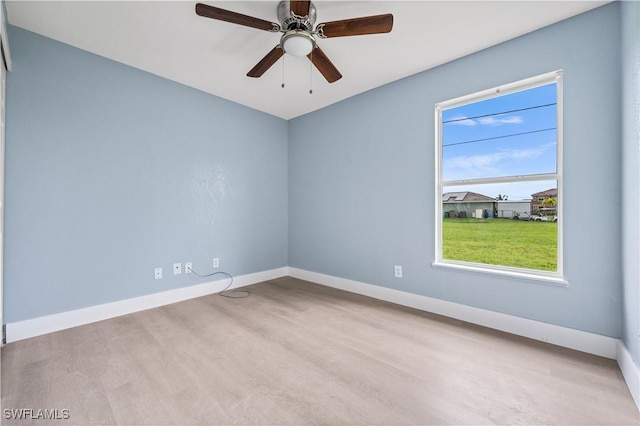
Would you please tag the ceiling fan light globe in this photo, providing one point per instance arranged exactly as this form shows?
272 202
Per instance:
298 44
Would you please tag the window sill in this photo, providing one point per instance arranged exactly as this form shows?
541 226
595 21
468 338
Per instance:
539 279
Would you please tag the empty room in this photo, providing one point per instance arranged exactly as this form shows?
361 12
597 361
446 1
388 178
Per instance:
328 212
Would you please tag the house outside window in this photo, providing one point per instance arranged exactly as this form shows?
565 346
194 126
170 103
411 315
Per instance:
498 155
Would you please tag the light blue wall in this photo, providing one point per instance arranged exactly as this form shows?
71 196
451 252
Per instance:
112 171
630 12
362 182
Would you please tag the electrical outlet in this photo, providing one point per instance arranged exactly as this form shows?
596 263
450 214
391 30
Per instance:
177 268
187 268
158 272
216 262
397 270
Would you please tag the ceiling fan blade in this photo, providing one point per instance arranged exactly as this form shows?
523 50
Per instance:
357 26
300 8
324 65
266 62
235 18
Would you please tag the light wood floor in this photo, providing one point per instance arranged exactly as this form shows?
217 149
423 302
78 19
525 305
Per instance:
300 353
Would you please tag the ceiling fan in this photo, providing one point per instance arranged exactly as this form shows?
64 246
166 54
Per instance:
297 19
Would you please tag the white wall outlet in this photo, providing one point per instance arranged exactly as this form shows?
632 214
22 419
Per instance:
397 270
158 272
187 268
216 262
177 268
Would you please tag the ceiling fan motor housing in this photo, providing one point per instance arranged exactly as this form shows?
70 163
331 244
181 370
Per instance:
291 21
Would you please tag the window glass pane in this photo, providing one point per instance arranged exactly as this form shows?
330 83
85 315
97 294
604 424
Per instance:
502 224
508 135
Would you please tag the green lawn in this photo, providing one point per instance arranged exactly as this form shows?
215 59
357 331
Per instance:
505 242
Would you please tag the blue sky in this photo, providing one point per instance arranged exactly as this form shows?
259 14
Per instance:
508 151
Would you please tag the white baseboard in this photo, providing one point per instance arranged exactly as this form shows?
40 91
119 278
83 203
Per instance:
56 322
630 372
562 336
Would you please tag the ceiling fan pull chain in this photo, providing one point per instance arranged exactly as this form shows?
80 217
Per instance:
283 71
311 75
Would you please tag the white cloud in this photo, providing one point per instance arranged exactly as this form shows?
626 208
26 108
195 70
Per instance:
461 120
492 121
488 162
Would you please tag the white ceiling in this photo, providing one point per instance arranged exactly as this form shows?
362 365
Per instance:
168 39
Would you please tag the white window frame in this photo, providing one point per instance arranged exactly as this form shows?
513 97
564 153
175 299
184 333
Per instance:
556 277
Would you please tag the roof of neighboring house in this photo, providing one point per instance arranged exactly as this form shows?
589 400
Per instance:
553 192
466 197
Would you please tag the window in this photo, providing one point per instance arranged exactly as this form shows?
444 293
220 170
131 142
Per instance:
499 181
